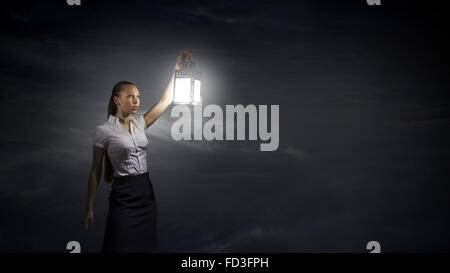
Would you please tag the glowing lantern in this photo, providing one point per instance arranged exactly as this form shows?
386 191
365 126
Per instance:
187 85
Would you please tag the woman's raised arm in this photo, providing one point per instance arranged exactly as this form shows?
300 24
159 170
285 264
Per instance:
156 111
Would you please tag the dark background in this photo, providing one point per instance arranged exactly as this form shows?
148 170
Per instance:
364 122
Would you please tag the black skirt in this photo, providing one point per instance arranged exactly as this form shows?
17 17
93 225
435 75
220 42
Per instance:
131 222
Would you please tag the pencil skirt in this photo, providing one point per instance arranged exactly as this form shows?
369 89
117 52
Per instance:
132 216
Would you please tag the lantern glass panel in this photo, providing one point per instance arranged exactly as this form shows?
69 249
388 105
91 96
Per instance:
197 98
182 90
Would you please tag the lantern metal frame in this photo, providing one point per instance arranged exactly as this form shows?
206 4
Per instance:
188 71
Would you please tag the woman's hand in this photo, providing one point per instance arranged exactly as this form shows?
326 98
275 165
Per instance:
89 216
184 56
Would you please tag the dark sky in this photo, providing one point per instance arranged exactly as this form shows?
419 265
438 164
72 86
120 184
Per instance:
364 122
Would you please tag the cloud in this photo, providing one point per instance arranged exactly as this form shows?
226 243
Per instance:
257 239
297 153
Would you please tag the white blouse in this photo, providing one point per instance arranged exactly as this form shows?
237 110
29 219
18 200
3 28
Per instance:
127 152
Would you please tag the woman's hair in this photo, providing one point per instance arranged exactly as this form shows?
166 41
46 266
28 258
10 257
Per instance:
112 110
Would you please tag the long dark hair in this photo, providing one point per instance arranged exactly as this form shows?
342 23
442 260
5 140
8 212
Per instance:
112 110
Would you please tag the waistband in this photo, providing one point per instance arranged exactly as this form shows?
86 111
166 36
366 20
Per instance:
132 177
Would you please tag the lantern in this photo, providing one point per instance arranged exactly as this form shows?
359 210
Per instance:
187 85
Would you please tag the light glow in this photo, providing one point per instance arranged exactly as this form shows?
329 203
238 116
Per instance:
182 90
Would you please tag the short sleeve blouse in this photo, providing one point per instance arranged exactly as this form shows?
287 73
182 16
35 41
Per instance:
126 151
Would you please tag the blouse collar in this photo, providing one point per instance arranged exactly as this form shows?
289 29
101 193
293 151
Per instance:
116 122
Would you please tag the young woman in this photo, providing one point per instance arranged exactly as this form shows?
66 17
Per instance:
121 141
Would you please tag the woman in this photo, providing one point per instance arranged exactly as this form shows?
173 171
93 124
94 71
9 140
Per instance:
121 140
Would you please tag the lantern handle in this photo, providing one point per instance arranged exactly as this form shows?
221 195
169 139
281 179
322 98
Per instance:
188 65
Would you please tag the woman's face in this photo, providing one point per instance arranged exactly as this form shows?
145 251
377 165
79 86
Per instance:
129 100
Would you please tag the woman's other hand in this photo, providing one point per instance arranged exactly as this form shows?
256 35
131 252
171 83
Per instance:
184 56
89 216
